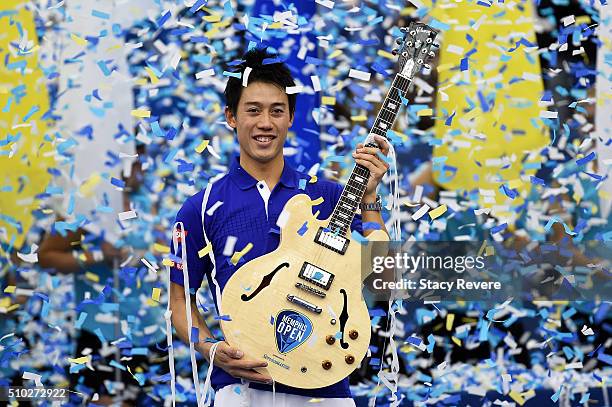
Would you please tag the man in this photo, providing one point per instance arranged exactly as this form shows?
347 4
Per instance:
242 207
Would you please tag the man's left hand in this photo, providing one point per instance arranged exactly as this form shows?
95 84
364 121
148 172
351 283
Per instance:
369 158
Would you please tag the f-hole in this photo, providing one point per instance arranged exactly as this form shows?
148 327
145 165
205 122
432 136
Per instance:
343 318
264 282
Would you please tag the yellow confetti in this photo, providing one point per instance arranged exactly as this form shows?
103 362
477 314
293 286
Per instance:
437 212
204 251
317 201
361 118
583 19
78 40
168 262
88 187
154 79
328 100
516 396
202 146
334 54
425 112
489 251
238 255
385 54
313 179
276 25
515 183
92 277
212 18
10 289
456 340
155 294
80 361
161 248
142 113
450 318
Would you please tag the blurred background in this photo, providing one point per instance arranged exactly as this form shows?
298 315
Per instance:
111 115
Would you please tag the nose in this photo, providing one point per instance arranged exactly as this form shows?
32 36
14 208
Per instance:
264 123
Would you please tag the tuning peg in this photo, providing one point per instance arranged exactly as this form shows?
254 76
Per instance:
431 54
395 51
398 40
413 33
427 66
403 29
428 41
435 45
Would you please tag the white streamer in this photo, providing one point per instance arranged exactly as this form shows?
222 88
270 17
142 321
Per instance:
194 363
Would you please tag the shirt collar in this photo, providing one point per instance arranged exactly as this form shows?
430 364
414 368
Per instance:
289 177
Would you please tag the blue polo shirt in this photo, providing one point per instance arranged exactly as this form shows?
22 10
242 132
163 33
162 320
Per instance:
240 210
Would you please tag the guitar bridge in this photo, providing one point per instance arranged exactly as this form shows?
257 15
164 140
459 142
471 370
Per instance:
304 304
331 240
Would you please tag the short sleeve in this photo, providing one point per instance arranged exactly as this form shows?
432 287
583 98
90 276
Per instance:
197 267
356 225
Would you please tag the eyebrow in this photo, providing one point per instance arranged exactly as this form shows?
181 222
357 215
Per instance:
261 104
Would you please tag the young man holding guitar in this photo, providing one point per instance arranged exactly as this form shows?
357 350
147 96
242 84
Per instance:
241 212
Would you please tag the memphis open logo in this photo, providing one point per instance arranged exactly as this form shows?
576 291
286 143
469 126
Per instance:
291 330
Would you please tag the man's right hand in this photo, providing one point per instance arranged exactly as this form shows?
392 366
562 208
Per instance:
233 361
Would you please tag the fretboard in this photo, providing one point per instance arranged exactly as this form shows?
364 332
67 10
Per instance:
356 185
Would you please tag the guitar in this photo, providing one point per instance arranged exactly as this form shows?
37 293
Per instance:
300 307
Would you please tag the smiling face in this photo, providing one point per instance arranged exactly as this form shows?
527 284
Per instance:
261 121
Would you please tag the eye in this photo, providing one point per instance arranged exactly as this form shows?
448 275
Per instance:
277 111
252 110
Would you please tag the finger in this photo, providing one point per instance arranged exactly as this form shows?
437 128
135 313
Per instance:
248 363
372 157
377 167
252 375
382 143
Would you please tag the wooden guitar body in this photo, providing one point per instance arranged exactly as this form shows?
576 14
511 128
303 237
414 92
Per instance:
314 334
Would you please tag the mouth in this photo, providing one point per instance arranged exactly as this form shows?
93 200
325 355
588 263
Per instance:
264 140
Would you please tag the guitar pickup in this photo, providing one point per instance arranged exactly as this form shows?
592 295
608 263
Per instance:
304 304
316 275
331 240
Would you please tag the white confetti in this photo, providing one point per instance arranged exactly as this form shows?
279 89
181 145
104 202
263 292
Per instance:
245 76
205 73
422 211
127 215
363 76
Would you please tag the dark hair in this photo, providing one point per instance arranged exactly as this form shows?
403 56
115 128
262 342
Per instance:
266 67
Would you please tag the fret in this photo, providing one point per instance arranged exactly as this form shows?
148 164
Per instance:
355 187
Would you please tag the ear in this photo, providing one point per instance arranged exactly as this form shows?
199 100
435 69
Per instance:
230 118
291 120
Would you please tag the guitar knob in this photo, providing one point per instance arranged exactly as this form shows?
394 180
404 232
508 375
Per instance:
330 339
353 334
326 364
349 359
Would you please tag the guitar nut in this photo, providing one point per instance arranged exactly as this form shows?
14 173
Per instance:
326 364
349 359
330 339
353 334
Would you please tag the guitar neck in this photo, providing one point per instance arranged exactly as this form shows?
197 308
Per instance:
354 189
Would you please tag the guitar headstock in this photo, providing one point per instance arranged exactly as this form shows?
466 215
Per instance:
415 48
